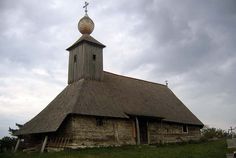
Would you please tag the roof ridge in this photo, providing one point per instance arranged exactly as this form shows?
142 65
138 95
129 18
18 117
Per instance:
142 80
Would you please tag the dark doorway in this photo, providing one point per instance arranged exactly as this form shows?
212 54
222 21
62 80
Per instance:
143 131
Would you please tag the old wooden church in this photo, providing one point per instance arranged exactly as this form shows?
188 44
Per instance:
99 108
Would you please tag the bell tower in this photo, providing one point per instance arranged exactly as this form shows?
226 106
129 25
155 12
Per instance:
86 54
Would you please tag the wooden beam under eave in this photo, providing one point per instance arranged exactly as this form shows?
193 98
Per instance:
44 144
137 130
17 145
148 133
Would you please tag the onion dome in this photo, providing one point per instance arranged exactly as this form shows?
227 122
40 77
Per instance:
86 25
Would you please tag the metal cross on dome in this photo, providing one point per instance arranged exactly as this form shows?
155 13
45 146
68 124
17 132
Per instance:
85 6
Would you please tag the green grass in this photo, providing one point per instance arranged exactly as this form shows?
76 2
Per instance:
216 149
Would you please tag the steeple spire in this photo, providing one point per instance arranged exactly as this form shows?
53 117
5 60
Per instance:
86 25
86 54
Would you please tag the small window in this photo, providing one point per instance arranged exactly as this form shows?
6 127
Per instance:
94 57
185 129
75 58
99 121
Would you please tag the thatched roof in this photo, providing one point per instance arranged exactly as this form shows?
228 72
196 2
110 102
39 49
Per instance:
114 96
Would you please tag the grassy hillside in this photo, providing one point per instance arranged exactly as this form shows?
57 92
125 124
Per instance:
216 149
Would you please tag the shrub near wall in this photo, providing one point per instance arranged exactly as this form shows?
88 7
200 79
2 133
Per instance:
211 133
7 144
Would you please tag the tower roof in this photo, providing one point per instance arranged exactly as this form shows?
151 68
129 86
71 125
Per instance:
86 38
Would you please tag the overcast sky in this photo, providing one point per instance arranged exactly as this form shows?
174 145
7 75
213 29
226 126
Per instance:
190 43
